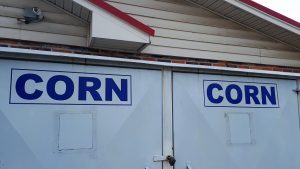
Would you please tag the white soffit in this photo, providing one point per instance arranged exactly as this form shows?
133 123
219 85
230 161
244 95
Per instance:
265 16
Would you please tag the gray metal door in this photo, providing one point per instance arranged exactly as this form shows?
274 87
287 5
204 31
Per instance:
67 116
233 122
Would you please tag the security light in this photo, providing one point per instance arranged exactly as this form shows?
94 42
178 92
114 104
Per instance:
31 15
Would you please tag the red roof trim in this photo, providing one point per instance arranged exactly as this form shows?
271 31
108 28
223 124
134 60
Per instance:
116 12
271 12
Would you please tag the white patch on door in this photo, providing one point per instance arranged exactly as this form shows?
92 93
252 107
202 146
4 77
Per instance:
75 131
239 128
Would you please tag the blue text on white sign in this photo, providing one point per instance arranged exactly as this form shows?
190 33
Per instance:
240 94
70 88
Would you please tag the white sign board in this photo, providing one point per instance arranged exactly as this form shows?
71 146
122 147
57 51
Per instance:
240 94
69 88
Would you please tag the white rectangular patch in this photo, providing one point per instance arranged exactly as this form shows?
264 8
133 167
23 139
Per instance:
75 131
239 128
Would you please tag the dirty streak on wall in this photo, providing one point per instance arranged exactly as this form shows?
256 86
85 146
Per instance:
187 31
57 27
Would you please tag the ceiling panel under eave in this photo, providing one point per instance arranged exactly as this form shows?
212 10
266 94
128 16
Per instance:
107 31
251 17
73 8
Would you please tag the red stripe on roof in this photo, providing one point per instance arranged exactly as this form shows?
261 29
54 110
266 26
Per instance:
125 17
271 12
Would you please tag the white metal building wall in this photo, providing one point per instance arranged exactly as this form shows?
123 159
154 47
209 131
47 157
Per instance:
40 133
165 114
234 136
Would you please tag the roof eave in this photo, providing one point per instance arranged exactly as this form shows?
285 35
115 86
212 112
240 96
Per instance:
267 14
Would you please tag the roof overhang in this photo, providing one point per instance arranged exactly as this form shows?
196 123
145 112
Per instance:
110 28
267 14
257 17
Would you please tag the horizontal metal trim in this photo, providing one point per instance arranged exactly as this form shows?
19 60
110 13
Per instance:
144 62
